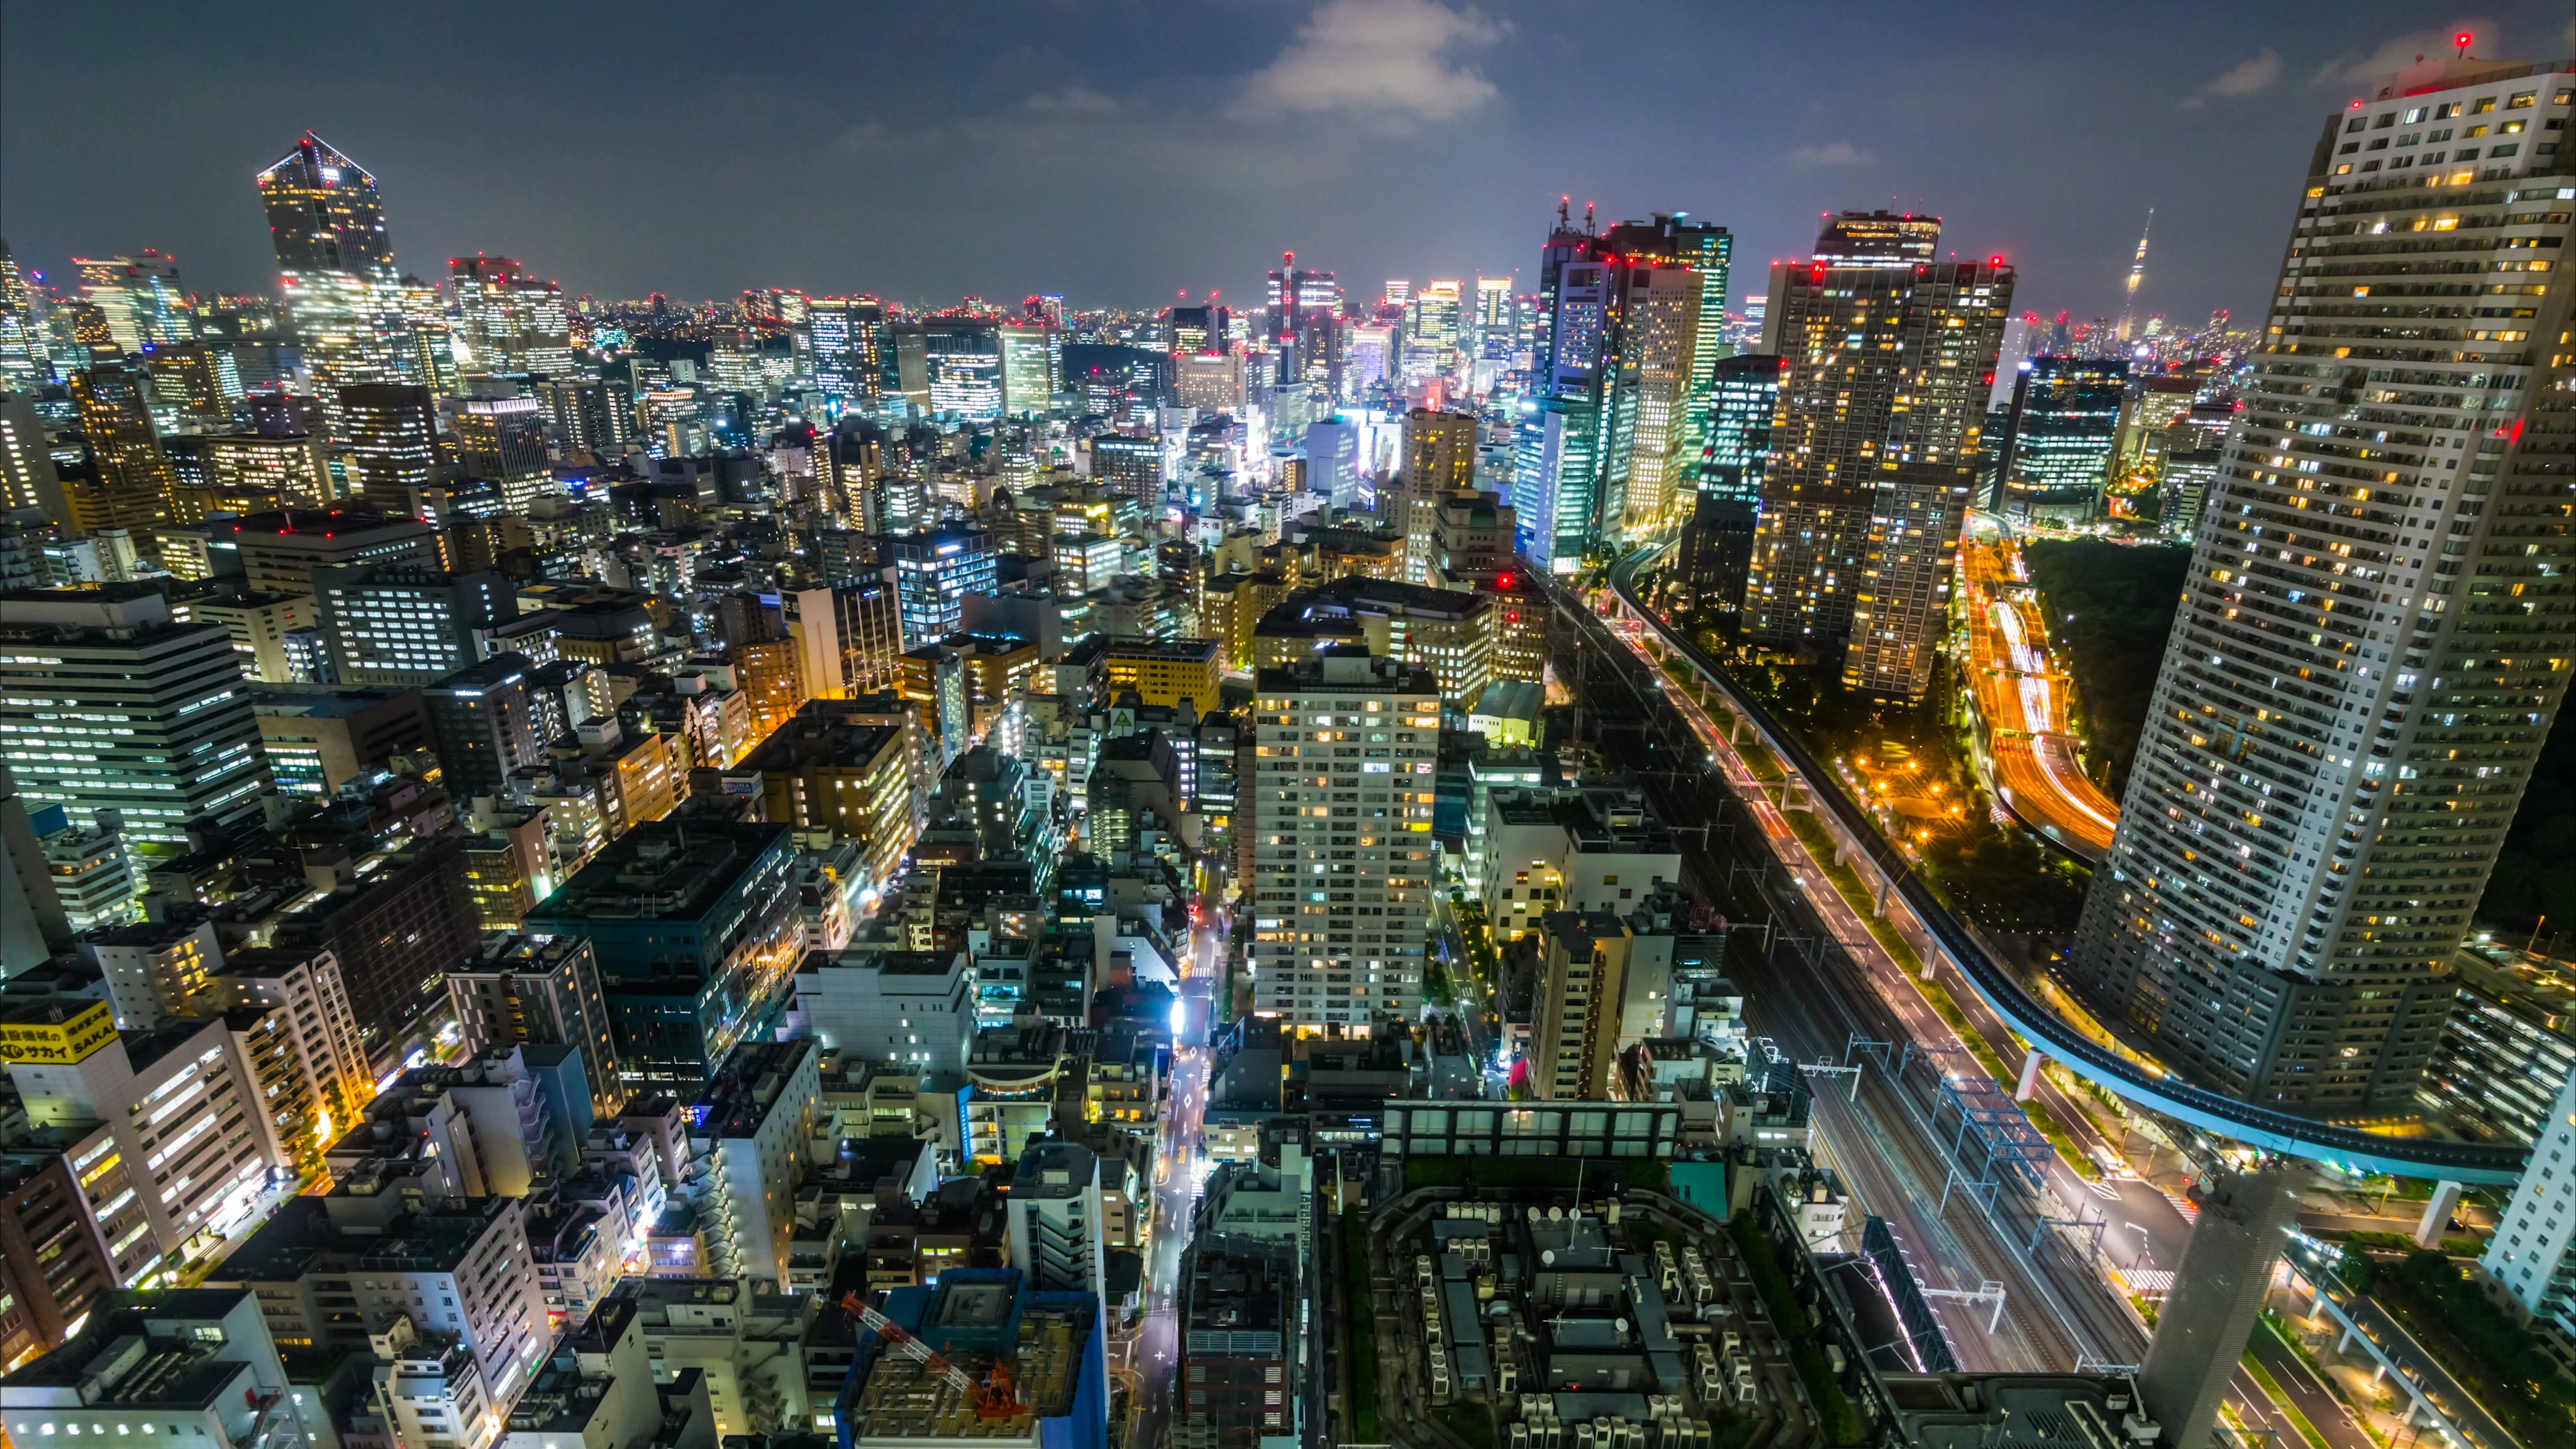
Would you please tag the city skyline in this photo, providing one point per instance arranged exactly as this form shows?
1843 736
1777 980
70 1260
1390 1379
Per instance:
1378 138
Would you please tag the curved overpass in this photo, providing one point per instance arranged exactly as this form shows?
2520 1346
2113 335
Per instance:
2259 1126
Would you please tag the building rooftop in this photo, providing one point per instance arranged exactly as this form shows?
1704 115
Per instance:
662 870
302 1237
739 1097
140 1350
1055 1170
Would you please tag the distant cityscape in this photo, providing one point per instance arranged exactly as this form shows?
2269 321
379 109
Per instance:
1625 856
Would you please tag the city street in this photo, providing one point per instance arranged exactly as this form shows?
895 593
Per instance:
1146 1359
2023 698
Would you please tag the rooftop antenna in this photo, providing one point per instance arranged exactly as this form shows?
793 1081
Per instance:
2463 39
1587 218
1563 221
2137 274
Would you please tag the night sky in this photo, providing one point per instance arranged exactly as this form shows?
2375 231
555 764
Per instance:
1116 151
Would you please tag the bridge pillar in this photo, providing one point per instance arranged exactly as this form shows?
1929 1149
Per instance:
2408 1415
2029 1074
2219 1287
2378 1371
2437 1214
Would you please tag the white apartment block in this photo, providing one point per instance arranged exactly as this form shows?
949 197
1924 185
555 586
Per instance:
1343 859
169 1108
2532 1257
2372 640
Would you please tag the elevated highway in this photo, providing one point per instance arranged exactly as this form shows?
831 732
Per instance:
1908 902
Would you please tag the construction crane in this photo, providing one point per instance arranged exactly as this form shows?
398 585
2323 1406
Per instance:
993 1398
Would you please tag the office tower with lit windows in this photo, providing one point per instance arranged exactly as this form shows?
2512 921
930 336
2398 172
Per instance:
24 363
1130 468
849 350
1885 359
848 638
1434 320
1744 390
1032 367
1439 458
508 320
2371 646
140 297
935 570
503 439
403 624
485 725
1305 325
132 489
391 431
107 703
336 269
1198 331
1343 857
27 475
1708 251
1556 443
1651 461
589 415
2055 454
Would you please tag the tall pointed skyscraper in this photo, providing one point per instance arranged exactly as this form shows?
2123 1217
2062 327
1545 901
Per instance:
2374 634
336 271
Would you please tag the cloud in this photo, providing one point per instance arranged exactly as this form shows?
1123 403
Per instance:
1385 57
1838 153
2351 68
1073 100
2248 77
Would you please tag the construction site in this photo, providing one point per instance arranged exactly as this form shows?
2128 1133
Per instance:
979 1358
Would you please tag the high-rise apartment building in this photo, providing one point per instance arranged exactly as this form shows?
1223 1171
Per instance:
336 269
105 703
1885 361
1342 823
2371 643
135 480
539 991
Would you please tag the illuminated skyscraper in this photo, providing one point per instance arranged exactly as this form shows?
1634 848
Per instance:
336 269
849 350
141 298
2056 450
1306 324
1611 384
1885 362
392 435
509 321
24 364
504 439
1744 391
132 489
1032 367
2372 643
1709 251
